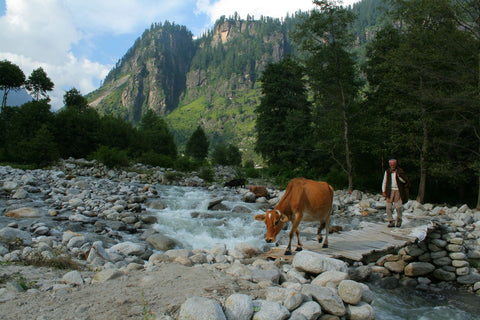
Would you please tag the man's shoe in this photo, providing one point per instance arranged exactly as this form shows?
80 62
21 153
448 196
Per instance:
391 224
399 223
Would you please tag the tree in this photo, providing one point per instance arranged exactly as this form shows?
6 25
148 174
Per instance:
73 98
283 122
417 71
467 14
326 39
227 155
197 145
38 84
155 135
11 78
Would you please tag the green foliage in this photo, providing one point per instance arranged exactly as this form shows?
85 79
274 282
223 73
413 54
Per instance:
284 116
154 134
228 155
154 159
76 132
41 150
11 78
197 145
207 173
38 83
111 156
73 99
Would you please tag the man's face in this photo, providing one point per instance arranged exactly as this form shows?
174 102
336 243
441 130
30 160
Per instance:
393 166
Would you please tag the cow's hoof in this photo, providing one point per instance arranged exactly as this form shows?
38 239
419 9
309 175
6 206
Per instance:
299 249
288 252
325 245
320 239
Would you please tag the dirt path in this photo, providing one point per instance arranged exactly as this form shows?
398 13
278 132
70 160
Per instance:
135 295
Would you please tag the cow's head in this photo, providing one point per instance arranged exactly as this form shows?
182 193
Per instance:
274 220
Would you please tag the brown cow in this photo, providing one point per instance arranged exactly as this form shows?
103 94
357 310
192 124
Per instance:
303 199
259 191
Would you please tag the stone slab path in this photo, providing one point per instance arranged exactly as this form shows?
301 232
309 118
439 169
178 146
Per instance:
366 244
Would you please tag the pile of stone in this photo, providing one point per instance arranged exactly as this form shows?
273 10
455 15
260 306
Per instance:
312 286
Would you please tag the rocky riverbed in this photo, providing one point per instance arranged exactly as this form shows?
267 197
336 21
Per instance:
93 222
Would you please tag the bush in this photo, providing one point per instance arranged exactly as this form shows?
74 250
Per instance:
111 157
227 155
207 174
154 159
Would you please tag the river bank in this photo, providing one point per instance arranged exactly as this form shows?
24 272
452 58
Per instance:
105 220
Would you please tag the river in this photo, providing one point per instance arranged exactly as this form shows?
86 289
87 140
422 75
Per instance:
188 220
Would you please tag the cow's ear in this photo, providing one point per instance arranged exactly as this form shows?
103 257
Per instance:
284 218
260 217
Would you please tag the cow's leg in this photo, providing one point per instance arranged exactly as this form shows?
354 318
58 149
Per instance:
299 243
327 231
295 230
319 231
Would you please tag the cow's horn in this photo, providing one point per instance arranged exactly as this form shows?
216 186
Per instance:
279 213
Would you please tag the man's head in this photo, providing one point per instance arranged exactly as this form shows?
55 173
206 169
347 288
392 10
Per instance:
392 163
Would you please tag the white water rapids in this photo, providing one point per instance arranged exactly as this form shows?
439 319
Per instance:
188 220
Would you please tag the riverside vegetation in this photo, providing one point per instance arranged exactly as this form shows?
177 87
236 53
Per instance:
77 242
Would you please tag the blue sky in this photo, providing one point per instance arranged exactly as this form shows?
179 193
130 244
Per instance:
78 41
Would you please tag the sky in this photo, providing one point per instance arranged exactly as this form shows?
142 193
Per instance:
77 42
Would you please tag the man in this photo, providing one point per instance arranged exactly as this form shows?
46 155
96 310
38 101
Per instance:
395 190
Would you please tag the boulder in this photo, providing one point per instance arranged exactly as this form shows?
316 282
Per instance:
417 269
317 263
199 308
24 213
239 307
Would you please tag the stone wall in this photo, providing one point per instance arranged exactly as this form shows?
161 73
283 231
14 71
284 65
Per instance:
442 257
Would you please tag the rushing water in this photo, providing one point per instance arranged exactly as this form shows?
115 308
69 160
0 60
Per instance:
188 220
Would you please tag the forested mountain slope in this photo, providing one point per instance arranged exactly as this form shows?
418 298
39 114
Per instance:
210 81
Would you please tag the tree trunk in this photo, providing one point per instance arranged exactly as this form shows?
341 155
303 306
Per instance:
348 159
423 169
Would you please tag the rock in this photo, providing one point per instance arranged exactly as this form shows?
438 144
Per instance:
416 269
239 307
444 275
469 279
107 274
330 276
395 266
247 250
129 248
73 278
316 263
328 298
249 197
161 242
350 291
24 213
293 300
199 308
310 310
362 311
267 310
11 234
272 275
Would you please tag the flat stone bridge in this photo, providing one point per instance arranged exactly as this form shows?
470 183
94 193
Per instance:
366 244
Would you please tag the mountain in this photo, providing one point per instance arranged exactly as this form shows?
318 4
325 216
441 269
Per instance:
17 98
211 81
